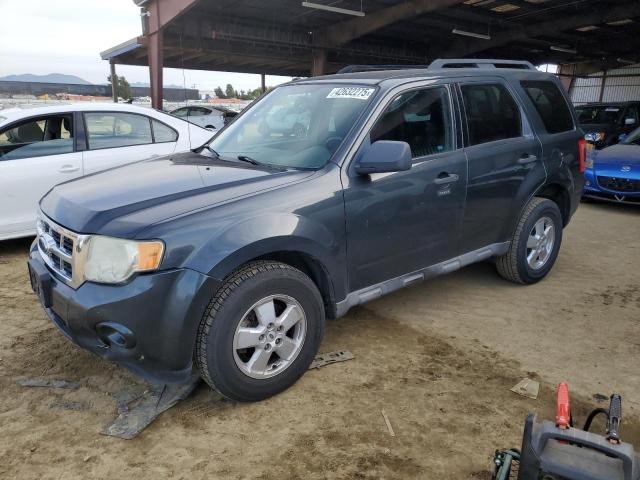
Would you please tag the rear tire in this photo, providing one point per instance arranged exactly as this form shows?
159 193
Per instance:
260 331
535 243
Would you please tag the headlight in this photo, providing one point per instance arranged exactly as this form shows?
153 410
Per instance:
594 137
114 260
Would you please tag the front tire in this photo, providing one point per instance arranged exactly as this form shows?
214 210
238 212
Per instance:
260 332
535 243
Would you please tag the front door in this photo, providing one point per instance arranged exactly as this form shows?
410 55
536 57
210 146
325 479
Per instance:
400 222
35 155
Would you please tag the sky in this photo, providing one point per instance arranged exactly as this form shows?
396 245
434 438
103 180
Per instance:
67 36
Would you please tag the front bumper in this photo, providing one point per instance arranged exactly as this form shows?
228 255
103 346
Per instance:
148 325
592 189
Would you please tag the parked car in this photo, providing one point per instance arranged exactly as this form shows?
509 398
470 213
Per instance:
226 260
41 147
287 120
603 123
209 118
613 173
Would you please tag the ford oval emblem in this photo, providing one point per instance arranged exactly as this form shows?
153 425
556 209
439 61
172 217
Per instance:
626 168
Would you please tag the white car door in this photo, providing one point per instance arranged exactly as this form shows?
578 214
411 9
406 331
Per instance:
35 155
118 138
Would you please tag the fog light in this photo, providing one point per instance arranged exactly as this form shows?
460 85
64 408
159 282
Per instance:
114 334
587 183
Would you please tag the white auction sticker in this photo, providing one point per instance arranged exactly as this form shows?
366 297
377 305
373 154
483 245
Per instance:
360 93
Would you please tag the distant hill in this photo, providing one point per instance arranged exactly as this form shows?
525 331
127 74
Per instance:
50 78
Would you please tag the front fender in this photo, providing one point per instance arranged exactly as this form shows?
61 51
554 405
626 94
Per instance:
255 237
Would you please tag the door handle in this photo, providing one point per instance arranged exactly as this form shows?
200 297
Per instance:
445 177
68 169
527 158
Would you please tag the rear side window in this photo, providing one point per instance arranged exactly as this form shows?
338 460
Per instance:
163 133
37 137
421 118
550 104
492 113
108 130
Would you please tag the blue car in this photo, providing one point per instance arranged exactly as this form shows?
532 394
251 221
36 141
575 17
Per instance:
613 173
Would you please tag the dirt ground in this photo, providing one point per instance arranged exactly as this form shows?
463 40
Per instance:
439 358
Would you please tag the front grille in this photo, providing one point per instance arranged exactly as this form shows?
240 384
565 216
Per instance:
56 247
624 185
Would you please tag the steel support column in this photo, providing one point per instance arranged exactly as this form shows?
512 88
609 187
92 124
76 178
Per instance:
156 62
318 62
263 83
603 84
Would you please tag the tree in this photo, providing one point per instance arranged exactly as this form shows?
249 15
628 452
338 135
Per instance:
230 92
123 89
219 93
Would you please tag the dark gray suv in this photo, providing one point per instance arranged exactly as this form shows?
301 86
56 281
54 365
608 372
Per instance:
228 259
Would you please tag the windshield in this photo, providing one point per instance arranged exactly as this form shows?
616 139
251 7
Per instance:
296 126
599 114
633 138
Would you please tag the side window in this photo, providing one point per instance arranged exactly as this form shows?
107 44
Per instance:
421 118
38 137
163 133
550 104
181 112
108 130
492 113
632 112
198 112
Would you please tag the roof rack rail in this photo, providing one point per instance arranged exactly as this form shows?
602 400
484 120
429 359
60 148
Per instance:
480 63
375 68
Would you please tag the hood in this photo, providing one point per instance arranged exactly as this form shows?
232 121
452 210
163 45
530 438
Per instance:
121 201
618 161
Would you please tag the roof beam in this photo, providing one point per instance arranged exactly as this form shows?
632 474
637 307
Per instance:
341 33
562 23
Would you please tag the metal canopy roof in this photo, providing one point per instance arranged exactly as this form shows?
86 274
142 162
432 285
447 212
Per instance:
279 37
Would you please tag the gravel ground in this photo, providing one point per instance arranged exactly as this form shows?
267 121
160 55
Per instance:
439 358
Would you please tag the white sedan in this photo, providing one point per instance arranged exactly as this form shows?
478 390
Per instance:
209 118
43 146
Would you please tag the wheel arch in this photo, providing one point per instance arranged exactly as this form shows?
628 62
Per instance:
559 194
292 252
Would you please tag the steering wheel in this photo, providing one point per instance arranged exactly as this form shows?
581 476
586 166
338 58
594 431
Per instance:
332 143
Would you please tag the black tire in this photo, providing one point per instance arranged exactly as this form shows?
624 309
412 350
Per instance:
513 265
214 352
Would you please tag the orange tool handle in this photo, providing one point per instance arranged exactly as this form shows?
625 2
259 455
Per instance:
563 409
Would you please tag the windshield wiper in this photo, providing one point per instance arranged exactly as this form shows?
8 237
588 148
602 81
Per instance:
217 155
246 158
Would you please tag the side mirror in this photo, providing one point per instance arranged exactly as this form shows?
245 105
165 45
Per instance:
630 121
384 156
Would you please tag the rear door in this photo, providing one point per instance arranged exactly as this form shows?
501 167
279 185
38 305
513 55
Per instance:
558 133
118 138
505 162
35 155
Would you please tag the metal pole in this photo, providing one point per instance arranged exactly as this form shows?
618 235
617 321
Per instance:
318 62
156 62
114 82
604 81
263 84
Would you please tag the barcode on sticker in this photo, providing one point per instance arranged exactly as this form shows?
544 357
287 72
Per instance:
360 93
